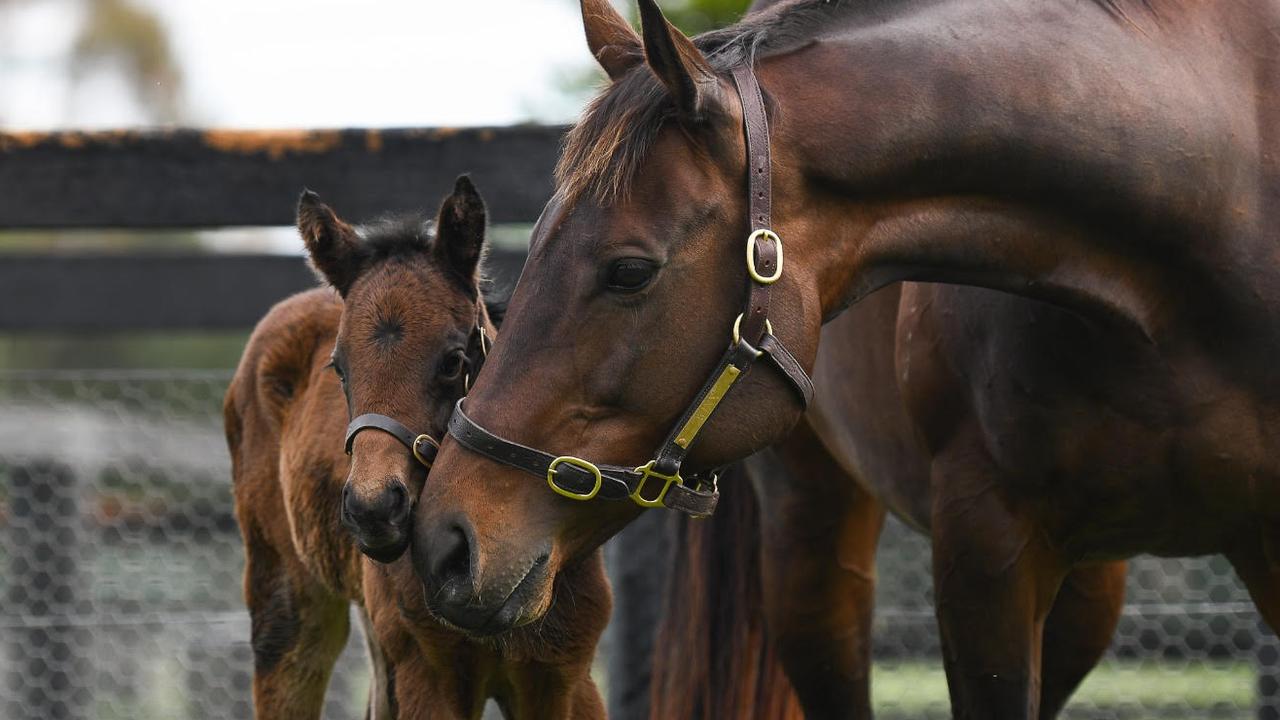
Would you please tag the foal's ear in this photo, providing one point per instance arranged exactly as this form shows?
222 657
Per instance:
678 63
331 242
612 41
460 229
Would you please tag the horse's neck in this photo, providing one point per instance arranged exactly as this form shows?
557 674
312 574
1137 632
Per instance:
1045 148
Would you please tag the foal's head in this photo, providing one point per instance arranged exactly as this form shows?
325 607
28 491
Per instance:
637 270
411 310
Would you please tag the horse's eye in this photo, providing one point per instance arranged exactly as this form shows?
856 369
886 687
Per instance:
629 275
337 370
452 364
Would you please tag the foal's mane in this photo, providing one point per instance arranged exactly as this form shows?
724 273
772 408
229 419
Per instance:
411 237
603 152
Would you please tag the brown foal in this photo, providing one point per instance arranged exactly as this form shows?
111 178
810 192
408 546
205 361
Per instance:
1109 161
396 336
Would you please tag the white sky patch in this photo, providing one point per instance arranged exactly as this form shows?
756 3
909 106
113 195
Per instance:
313 63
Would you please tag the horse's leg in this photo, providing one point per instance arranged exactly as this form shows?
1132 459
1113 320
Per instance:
818 543
298 628
995 581
1079 630
1256 560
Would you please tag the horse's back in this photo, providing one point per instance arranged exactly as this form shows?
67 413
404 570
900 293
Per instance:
284 418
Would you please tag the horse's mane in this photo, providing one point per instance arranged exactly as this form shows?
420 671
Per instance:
410 237
603 152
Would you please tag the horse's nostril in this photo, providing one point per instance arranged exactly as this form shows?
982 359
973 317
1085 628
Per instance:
452 557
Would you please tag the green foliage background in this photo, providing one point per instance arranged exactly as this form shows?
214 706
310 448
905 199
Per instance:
696 16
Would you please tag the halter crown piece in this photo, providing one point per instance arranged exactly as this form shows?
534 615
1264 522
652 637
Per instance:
696 495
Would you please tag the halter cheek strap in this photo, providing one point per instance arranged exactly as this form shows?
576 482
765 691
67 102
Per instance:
658 483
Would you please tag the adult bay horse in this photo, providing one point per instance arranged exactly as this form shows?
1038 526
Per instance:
1106 157
392 344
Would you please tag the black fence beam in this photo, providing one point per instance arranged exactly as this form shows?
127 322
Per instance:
114 293
216 178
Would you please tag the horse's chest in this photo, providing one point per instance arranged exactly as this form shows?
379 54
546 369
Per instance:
1121 449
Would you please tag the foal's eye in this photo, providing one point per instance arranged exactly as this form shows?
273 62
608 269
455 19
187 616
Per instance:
452 364
630 275
337 370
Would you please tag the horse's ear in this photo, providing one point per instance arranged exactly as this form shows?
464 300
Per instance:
331 242
678 63
612 41
460 229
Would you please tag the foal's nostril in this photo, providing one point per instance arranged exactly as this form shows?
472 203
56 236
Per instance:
389 506
347 516
451 557
396 501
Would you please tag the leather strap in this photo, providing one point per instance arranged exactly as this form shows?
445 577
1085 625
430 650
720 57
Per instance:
788 366
477 349
617 482
423 446
760 199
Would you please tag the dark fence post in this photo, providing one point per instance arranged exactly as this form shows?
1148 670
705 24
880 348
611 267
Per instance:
1268 655
47 650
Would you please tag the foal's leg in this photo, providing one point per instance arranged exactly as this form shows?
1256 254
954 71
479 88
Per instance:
298 628
819 535
1079 630
995 581
382 679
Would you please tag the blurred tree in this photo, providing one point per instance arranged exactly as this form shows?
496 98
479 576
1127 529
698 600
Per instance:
134 38
691 16
697 16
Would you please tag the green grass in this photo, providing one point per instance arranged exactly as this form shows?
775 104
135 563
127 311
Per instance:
1130 690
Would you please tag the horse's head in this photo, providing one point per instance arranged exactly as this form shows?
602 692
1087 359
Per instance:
636 274
407 338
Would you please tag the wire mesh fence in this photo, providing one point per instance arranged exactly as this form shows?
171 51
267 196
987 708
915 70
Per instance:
120 580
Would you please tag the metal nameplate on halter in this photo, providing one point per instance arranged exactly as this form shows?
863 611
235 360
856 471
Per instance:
751 256
728 376
581 465
646 471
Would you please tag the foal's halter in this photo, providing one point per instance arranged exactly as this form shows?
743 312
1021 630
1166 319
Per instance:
423 446
580 479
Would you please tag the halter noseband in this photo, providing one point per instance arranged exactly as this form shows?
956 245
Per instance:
423 446
580 479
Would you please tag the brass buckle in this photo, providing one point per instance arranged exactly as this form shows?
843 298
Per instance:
578 463
751 256
646 471
737 329
414 448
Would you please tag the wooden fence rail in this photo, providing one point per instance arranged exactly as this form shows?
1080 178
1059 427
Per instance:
219 178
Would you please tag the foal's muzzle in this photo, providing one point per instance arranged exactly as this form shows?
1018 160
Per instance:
381 523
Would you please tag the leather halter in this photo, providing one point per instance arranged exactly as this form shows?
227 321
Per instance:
423 446
752 339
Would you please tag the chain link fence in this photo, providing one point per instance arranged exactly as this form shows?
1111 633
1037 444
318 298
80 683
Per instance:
120 580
